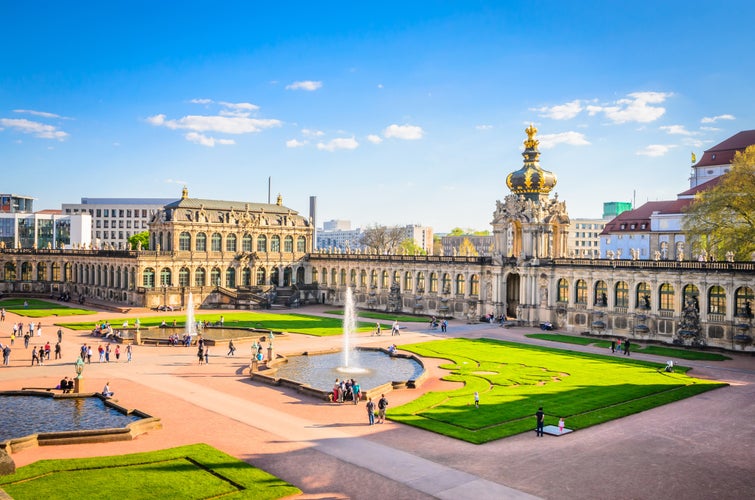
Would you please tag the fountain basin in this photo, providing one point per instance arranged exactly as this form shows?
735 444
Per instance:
315 373
41 418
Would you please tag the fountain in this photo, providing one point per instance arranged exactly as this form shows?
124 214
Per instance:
191 324
349 327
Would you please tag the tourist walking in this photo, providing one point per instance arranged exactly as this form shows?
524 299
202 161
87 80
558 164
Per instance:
231 348
101 352
395 329
128 353
206 355
443 326
370 411
89 354
356 391
107 353
476 399
117 353
26 340
34 356
2 314
60 335
626 347
540 422
382 405
57 350
200 354
6 355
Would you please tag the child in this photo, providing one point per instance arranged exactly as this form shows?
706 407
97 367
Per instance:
476 399
561 425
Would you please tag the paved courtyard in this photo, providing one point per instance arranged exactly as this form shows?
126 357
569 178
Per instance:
701 447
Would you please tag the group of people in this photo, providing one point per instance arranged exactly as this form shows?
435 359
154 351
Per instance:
540 427
382 405
346 390
66 385
39 356
624 346
434 323
203 351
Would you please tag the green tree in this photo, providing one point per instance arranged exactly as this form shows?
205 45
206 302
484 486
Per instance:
466 248
142 238
722 219
457 231
410 247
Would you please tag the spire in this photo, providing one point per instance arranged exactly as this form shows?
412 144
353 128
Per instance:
531 180
185 193
279 201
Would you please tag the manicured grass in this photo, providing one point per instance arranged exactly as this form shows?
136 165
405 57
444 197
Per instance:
190 472
40 308
515 379
570 339
669 352
292 323
386 316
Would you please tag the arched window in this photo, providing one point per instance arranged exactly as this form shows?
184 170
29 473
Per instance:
201 242
621 297
262 243
373 279
275 243
420 281
396 278
26 268
562 295
301 244
743 301
183 276
580 292
230 278
690 293
446 283
288 244
55 271
716 300
261 275
148 278
343 277
324 276
246 277
642 297
353 277
314 275
666 297
67 272
246 243
274 273
384 280
184 242
433 282
230 243
165 276
408 281
474 285
9 272
333 277
215 276
216 244
200 277
601 294
42 271
363 278
459 284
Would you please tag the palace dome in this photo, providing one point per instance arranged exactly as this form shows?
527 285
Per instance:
531 181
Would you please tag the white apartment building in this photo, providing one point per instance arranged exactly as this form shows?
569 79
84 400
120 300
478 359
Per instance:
584 237
115 220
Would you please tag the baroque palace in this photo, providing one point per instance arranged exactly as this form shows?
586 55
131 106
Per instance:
250 255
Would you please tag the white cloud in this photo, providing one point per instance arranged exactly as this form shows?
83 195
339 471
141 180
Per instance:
41 130
43 114
176 181
637 108
714 119
548 141
565 111
483 127
309 85
407 132
307 132
340 143
240 106
374 139
677 130
293 143
710 129
201 101
207 141
380 85
655 150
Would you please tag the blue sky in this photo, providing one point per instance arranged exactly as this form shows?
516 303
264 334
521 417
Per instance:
388 112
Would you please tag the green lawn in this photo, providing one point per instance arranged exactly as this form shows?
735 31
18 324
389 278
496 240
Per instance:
386 316
515 379
292 323
40 308
669 352
189 472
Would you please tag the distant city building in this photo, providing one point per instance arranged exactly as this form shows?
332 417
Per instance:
612 209
584 234
339 238
483 245
14 203
336 225
45 229
654 230
115 220
421 235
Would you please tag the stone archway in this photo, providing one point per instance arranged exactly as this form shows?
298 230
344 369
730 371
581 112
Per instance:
513 282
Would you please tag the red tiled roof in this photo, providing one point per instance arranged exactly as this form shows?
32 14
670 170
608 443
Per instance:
723 153
641 215
701 187
49 211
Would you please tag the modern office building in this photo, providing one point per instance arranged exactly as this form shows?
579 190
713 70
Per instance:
15 203
115 220
46 229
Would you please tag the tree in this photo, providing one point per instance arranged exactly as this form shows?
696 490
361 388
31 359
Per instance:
457 231
722 219
142 238
410 247
466 248
382 239
437 245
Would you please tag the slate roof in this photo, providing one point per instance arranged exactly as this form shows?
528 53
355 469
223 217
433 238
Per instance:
238 206
723 153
